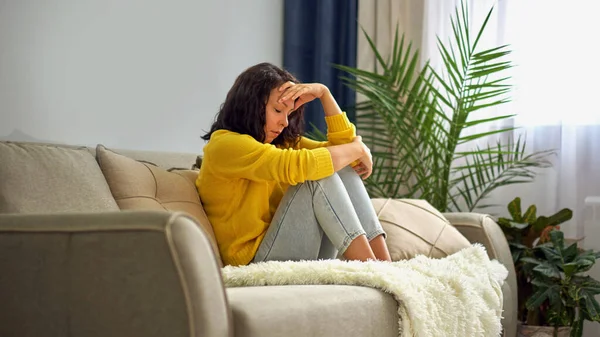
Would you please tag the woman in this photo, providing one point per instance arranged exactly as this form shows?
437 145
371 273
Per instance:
272 194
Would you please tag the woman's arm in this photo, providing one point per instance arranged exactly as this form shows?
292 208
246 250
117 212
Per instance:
301 94
330 106
237 156
339 129
345 154
344 147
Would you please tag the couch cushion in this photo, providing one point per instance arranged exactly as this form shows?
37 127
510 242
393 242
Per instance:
414 227
164 159
38 178
313 310
138 185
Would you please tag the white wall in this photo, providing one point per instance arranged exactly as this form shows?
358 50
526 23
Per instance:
136 74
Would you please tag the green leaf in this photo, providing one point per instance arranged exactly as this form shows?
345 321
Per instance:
570 269
558 240
577 328
583 264
486 120
531 260
591 306
588 255
541 295
587 284
530 214
474 107
517 245
547 269
487 71
450 64
492 51
552 254
483 25
516 255
543 282
514 209
504 222
505 64
571 253
560 217
382 63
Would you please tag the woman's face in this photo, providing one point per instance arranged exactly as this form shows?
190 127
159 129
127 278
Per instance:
276 115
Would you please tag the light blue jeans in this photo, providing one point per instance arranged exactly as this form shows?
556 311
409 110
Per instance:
319 219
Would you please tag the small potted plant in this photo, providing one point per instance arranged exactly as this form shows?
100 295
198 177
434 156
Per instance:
523 231
549 290
563 295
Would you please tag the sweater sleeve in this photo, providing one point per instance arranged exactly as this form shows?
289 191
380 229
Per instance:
241 156
339 131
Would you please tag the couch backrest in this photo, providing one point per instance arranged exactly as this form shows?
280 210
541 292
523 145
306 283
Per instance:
48 178
162 159
36 178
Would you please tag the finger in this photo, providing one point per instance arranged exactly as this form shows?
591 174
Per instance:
299 102
288 94
361 170
367 175
300 92
286 85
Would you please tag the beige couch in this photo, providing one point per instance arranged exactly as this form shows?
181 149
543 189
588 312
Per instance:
94 243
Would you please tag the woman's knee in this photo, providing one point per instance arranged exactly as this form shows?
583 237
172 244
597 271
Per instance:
334 178
349 177
339 178
348 173
348 170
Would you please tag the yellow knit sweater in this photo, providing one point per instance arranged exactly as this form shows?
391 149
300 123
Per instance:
242 181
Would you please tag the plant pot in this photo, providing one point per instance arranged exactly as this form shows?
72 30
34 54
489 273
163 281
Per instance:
542 331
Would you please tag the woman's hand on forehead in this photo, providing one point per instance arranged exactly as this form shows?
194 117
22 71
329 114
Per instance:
301 93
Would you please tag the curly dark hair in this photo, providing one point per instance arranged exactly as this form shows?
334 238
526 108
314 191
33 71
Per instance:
244 108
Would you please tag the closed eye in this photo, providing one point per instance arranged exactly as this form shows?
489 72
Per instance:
278 111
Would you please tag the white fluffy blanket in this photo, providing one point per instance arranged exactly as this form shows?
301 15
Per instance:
458 295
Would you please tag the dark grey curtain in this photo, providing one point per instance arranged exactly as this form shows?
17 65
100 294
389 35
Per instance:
318 34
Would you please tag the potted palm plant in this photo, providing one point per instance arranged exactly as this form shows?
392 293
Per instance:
415 118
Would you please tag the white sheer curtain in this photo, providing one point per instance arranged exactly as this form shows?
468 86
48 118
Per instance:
556 84
556 80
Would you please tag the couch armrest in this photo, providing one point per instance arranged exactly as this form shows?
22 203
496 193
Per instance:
481 228
125 273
